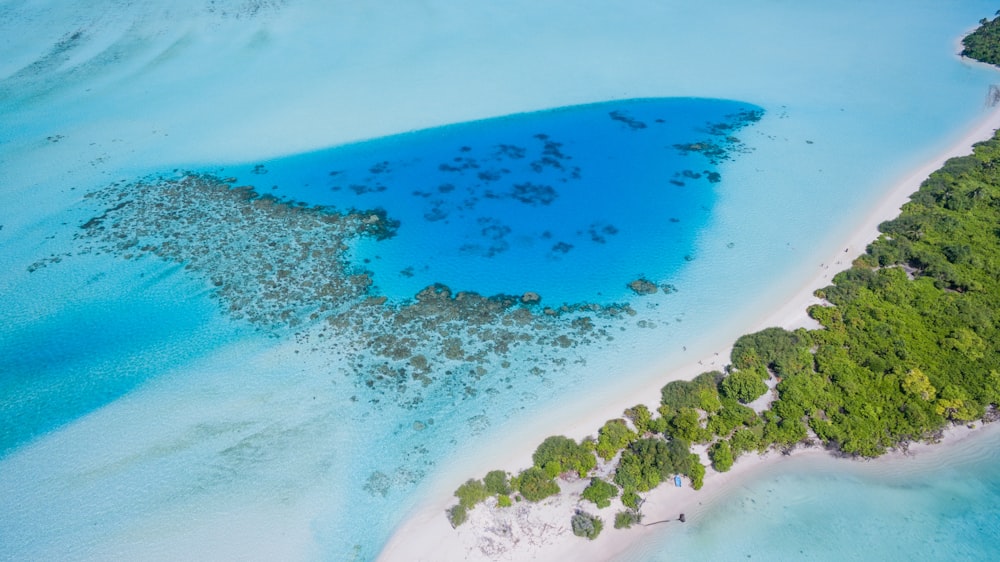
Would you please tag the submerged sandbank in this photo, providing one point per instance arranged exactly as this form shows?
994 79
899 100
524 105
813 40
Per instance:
426 534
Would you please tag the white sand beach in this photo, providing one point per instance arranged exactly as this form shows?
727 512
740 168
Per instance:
541 532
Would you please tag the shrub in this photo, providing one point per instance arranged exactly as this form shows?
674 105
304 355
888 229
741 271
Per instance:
613 437
503 501
586 525
496 483
535 485
562 453
625 519
696 473
457 515
600 492
721 455
641 418
471 493
745 385
631 499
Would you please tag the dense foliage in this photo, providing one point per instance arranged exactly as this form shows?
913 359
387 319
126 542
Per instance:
600 492
613 437
984 43
721 455
558 454
535 485
496 483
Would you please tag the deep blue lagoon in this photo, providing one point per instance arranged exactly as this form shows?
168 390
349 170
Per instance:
610 192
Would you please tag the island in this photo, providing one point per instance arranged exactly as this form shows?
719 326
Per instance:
908 347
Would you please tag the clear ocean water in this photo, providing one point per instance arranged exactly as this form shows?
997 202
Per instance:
938 505
607 191
138 421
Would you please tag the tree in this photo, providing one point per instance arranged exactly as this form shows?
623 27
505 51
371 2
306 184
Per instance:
496 483
600 492
644 465
745 385
721 456
535 485
696 473
613 437
558 453
686 425
631 499
743 441
641 418
915 382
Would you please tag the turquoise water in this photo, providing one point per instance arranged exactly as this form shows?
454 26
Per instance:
510 205
141 422
940 505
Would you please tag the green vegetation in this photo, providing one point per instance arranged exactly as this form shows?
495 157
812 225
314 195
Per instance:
497 483
503 501
910 342
625 519
696 473
536 485
457 515
721 456
677 395
983 44
471 493
614 437
745 385
600 492
649 461
558 454
586 525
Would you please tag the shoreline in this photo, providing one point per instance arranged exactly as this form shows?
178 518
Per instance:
426 534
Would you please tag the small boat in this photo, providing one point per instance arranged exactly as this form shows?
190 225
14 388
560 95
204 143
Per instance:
677 481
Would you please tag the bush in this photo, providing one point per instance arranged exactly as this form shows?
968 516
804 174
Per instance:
625 519
586 525
745 385
743 441
496 483
535 485
721 455
631 499
600 492
457 515
696 473
471 493
562 453
649 461
688 394
503 501
613 437
641 418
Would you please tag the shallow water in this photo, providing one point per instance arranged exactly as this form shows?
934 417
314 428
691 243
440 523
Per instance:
150 423
936 506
